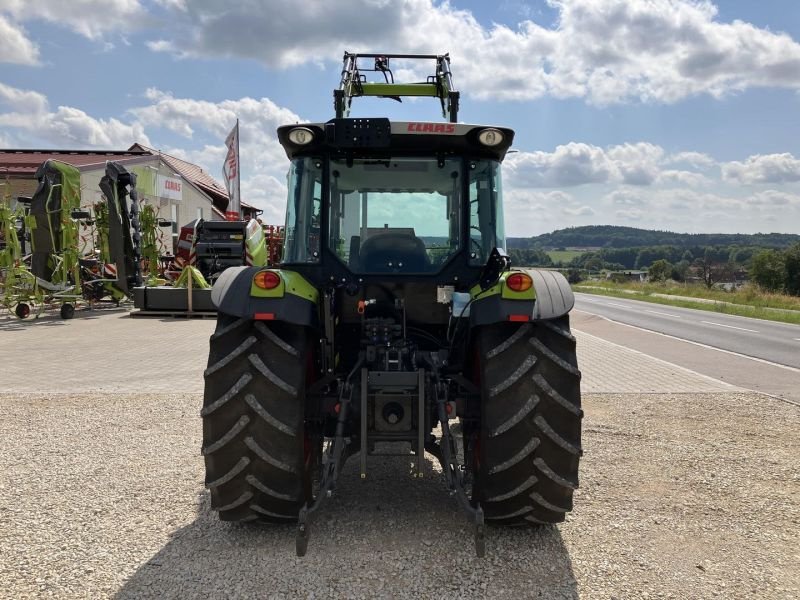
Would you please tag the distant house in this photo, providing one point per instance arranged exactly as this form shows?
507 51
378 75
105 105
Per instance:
623 276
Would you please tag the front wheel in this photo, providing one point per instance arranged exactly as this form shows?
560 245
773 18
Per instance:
253 420
67 310
22 310
527 451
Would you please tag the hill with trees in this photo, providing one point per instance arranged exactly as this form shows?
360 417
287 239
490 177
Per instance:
613 236
771 259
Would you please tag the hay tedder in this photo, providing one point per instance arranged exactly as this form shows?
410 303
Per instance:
58 272
394 318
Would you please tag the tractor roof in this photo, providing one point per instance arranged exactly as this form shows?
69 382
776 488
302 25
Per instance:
381 137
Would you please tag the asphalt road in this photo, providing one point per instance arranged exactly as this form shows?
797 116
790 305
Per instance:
765 340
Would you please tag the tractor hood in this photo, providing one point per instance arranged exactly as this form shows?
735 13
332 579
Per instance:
380 136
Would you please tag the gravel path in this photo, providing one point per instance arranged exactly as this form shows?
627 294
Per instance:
682 496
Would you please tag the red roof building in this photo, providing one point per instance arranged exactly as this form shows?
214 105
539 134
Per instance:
198 177
18 166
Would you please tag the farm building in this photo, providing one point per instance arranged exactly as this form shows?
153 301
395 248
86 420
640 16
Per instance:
181 191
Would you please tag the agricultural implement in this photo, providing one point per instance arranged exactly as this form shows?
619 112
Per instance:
56 274
51 275
205 250
394 319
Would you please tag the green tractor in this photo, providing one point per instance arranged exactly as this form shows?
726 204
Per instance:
395 317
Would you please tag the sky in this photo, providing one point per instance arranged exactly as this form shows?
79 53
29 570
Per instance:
681 115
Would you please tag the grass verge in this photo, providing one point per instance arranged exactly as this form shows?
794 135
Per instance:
769 313
563 256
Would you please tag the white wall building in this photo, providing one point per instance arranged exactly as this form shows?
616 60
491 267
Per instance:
180 191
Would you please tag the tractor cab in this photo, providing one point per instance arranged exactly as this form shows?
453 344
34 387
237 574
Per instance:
375 199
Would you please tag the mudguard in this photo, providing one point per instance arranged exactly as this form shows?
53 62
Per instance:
554 297
550 297
292 302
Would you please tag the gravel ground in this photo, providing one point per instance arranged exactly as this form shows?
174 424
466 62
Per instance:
682 496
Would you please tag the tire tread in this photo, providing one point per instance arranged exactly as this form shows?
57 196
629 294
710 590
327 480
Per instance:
529 450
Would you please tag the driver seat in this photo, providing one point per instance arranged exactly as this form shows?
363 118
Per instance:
393 251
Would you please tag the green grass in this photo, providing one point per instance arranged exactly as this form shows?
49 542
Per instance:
747 302
563 256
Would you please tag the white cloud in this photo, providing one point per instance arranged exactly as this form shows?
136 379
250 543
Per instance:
26 101
529 210
89 18
29 111
674 209
700 200
175 4
264 162
575 164
626 197
773 198
163 46
569 165
629 214
637 164
670 177
605 51
580 211
764 168
696 160
520 200
15 47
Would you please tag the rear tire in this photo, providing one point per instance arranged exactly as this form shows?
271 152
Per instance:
526 463
253 420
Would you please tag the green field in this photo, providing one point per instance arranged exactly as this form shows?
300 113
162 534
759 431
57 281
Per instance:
563 256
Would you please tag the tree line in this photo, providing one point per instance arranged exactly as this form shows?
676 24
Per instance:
771 269
778 270
613 236
618 259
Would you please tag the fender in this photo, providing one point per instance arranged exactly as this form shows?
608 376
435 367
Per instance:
550 297
554 297
294 301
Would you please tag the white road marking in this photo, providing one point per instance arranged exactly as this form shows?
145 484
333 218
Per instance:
620 305
655 312
680 339
729 326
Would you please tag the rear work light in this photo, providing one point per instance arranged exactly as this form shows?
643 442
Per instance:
490 137
301 136
519 282
267 280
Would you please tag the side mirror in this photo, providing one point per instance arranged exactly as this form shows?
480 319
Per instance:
497 263
164 223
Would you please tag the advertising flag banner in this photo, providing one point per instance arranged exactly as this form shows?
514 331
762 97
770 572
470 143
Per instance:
230 171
